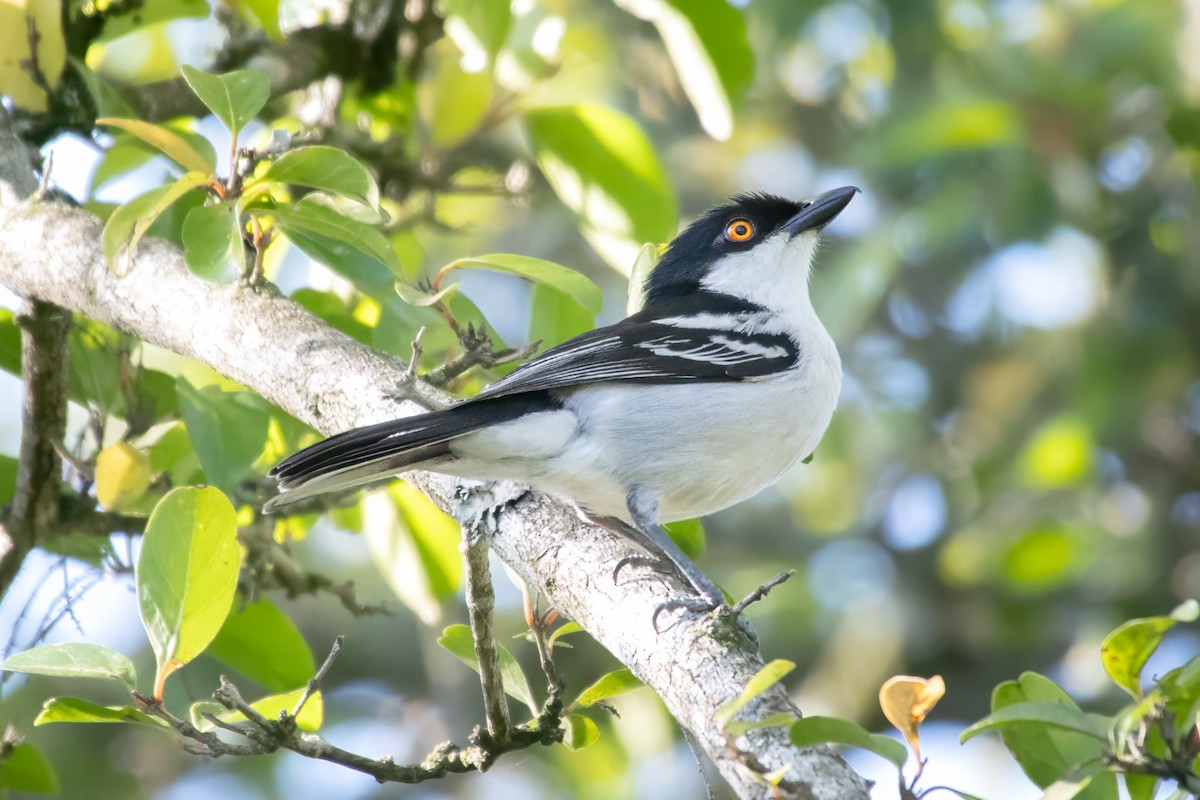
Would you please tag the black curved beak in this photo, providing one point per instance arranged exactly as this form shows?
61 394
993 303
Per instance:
820 212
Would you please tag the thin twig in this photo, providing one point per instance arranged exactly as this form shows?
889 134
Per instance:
260 245
481 602
314 683
761 592
540 623
410 373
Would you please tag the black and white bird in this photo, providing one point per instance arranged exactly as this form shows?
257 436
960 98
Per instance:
722 381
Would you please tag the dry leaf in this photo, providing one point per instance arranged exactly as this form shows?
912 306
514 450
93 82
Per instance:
906 700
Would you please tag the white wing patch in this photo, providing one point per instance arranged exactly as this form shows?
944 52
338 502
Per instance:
717 350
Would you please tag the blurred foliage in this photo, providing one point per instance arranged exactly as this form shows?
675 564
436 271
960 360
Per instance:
1012 471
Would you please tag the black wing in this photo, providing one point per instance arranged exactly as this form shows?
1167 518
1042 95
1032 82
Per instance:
719 343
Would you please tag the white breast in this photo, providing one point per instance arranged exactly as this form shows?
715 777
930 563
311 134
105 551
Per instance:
702 447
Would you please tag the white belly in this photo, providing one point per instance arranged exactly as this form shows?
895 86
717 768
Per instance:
701 449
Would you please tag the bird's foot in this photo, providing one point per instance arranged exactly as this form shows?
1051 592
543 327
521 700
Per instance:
659 565
689 606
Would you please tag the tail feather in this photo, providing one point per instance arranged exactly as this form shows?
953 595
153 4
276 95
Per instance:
367 454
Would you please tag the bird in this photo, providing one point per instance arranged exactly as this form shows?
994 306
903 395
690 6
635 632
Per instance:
722 381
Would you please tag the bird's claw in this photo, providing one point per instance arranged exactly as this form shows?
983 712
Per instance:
699 605
651 562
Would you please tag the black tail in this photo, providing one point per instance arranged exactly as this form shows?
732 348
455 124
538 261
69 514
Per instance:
377 451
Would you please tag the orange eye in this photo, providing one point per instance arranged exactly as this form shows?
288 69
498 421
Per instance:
739 230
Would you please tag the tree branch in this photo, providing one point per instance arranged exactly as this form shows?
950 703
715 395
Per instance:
35 505
330 381
265 736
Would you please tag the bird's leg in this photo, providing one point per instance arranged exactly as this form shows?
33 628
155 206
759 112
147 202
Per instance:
643 509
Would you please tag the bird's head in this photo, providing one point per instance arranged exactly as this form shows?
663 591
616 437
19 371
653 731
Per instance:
756 245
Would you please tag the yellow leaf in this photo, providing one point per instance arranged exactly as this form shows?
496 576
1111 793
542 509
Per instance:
122 476
906 701
16 77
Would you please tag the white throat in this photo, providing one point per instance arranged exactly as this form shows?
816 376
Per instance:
773 275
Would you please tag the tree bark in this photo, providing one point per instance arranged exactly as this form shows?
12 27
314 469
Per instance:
52 254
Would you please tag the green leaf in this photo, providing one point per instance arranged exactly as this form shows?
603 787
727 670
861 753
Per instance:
212 243
478 27
555 318
74 709
564 630
457 640
1126 650
306 217
707 43
106 97
415 546
186 575
1044 752
194 153
643 265
73 660
234 98
610 685
267 13
126 154
1141 787
1090 782
92 356
574 284
454 101
739 727
810 731
1052 715
416 297
171 451
25 769
579 731
262 643
328 168
228 429
176 190
689 535
128 224
603 167
764 679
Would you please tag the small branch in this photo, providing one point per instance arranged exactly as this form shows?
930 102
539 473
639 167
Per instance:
477 352
264 736
269 565
314 683
760 592
540 623
481 602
